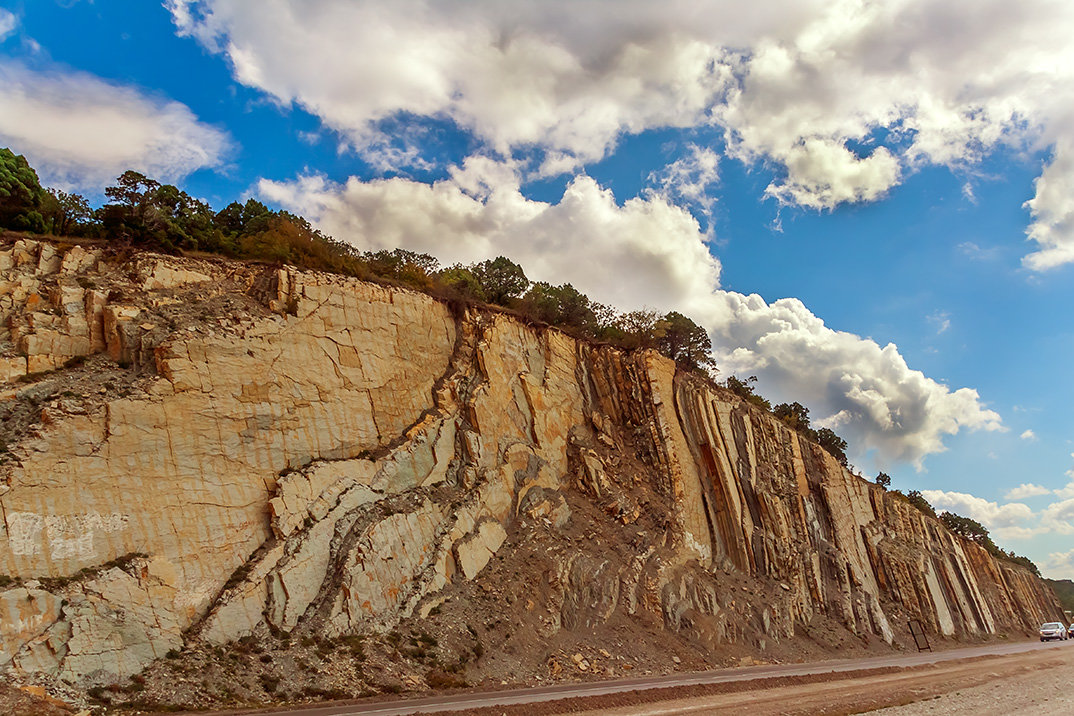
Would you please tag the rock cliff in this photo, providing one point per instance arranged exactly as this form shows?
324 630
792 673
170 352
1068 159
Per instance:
198 451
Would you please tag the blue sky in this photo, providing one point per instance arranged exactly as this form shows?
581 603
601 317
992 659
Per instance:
866 204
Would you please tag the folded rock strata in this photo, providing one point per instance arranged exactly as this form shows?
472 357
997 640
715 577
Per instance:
201 449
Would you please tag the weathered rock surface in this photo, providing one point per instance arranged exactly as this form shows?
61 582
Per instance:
313 454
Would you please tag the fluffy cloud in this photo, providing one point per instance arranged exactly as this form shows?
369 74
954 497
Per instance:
843 97
1006 520
865 392
1026 489
80 131
647 252
505 71
1059 517
1028 435
1052 208
823 173
1059 565
1011 520
587 239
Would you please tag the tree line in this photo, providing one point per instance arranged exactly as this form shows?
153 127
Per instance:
143 212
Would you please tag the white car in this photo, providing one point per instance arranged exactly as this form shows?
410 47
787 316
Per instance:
1053 630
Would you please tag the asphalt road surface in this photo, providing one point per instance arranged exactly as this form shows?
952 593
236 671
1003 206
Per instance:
515 697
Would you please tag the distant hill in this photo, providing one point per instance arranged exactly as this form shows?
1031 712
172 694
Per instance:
1064 589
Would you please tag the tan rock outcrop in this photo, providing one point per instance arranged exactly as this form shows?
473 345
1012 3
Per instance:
338 455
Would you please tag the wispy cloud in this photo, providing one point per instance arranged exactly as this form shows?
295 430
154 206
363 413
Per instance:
941 320
8 23
80 131
690 177
974 252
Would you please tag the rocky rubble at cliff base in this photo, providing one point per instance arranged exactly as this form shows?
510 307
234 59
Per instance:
230 483
489 634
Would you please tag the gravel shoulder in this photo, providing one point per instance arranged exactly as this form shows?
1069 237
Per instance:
1027 683
1036 690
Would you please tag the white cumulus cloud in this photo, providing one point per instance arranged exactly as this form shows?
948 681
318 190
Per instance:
843 98
1026 489
509 72
1007 520
865 392
1010 520
80 131
1052 207
647 252
1059 517
1028 435
1059 565
606 249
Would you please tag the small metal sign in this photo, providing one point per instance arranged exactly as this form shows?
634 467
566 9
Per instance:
918 632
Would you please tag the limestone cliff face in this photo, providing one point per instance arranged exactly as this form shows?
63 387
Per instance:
199 450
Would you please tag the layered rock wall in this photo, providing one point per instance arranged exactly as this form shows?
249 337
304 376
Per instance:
200 450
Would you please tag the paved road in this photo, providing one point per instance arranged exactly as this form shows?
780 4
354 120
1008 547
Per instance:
460 701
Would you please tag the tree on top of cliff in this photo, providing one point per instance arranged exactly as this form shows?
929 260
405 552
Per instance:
835 445
745 390
682 340
560 305
884 480
915 498
144 211
462 282
795 415
501 279
1026 562
71 214
408 267
638 328
966 527
21 195
287 238
237 219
